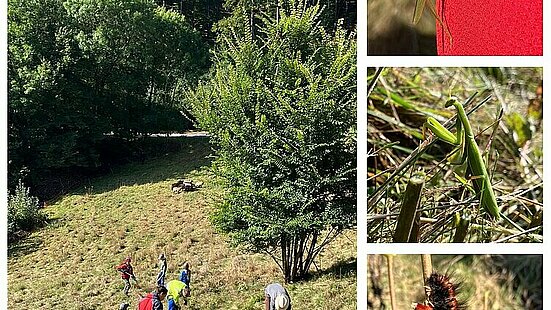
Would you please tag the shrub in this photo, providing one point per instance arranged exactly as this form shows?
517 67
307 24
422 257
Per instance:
23 212
280 109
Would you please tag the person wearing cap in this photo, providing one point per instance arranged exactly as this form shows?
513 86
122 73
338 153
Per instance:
127 272
176 290
276 297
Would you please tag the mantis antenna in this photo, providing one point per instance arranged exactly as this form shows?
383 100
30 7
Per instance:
418 11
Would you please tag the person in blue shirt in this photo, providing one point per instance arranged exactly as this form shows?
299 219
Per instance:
185 275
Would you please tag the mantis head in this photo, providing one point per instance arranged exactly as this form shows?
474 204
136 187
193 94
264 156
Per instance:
452 101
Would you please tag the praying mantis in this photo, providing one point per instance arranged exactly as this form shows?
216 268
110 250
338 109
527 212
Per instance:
464 138
418 11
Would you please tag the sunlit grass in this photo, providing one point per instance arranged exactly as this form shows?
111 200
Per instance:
70 263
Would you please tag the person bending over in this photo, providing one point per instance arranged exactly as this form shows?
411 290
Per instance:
276 297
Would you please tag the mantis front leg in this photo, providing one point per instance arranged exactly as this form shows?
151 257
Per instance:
481 179
445 135
418 11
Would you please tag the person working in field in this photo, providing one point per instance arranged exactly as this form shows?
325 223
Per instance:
185 275
127 272
153 300
176 290
276 297
162 273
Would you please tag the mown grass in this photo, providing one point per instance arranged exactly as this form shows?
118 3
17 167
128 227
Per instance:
485 284
70 263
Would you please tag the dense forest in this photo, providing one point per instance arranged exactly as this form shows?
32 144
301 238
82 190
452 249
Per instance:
90 81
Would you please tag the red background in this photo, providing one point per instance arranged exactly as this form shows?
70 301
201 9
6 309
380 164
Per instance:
491 27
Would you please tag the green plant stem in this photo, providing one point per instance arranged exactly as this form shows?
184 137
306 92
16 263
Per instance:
412 196
462 227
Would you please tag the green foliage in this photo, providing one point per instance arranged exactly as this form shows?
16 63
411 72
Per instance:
280 108
79 71
334 14
23 212
201 14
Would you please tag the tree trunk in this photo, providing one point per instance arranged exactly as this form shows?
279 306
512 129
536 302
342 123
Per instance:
297 255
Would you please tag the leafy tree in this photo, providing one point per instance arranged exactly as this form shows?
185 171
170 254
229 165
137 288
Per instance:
39 53
202 14
332 13
141 57
81 71
281 111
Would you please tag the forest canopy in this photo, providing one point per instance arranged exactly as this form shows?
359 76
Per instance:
83 73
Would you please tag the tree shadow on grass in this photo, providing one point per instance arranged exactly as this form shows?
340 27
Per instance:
24 246
342 269
192 154
24 242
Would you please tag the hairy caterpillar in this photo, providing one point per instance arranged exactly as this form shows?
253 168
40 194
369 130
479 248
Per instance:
442 294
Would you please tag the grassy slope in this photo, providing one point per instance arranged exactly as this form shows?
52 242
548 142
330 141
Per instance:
70 263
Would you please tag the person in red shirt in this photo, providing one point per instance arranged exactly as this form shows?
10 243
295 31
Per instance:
153 300
127 272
